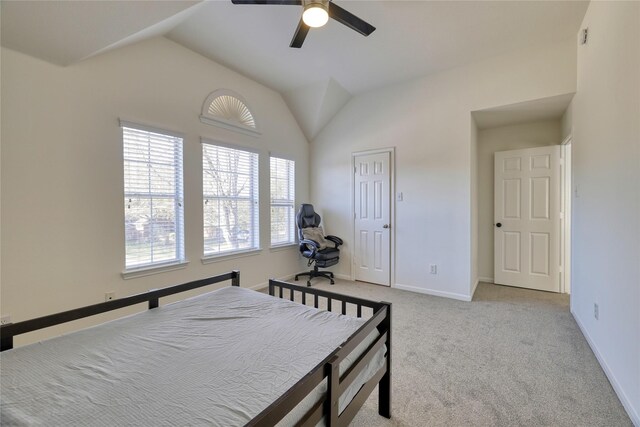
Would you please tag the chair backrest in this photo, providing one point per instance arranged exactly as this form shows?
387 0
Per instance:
306 217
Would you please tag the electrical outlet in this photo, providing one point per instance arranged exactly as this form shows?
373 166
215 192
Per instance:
5 320
596 311
109 296
433 269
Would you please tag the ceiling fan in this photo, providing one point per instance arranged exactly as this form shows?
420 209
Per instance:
316 13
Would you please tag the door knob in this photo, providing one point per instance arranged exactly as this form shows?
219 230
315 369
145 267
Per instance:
386 226
499 225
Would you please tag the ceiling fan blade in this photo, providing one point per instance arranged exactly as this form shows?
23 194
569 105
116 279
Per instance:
281 2
350 20
300 35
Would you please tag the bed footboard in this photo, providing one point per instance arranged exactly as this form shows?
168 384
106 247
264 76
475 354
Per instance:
328 369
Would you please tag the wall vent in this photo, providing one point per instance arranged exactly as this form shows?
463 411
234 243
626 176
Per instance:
584 36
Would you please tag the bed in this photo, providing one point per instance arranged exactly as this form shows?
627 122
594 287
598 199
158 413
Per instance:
228 357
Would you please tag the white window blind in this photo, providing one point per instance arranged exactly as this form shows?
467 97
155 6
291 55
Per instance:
230 197
153 198
283 193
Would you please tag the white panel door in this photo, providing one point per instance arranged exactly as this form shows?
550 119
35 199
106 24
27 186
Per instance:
372 254
527 218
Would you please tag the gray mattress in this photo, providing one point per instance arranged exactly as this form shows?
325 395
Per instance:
217 359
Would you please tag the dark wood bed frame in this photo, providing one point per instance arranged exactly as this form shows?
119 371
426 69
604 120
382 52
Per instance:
327 370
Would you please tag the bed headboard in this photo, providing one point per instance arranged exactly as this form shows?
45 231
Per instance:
8 331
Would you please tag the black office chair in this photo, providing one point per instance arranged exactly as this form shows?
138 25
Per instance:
321 251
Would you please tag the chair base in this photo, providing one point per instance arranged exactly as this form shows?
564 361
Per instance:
316 273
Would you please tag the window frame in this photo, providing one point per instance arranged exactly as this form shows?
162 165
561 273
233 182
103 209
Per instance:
179 261
254 199
290 202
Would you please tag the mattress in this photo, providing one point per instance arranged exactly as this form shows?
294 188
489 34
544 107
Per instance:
218 359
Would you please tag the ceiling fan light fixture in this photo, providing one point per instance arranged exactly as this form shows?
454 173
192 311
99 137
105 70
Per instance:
316 13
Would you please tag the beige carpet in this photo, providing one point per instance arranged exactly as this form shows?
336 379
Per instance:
511 357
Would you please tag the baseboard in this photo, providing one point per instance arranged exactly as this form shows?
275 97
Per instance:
624 399
265 285
259 286
486 279
433 292
475 286
291 277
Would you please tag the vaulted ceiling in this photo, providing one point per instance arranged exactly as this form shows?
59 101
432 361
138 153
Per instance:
412 39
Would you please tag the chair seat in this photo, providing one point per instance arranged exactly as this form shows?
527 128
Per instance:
323 255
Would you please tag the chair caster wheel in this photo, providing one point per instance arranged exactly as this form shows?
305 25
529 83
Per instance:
295 278
309 283
333 283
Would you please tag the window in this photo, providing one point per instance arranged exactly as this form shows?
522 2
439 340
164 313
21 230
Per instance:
230 197
227 109
282 201
153 197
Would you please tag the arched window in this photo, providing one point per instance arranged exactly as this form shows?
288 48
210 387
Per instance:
228 110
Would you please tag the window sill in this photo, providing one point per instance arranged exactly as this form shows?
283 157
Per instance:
156 269
208 259
283 247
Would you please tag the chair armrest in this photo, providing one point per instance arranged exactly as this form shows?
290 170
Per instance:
338 241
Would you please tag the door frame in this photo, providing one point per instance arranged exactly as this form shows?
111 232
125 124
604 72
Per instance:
565 212
392 207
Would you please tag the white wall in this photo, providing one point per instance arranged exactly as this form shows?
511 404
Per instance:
567 122
513 137
428 121
62 173
606 209
314 105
